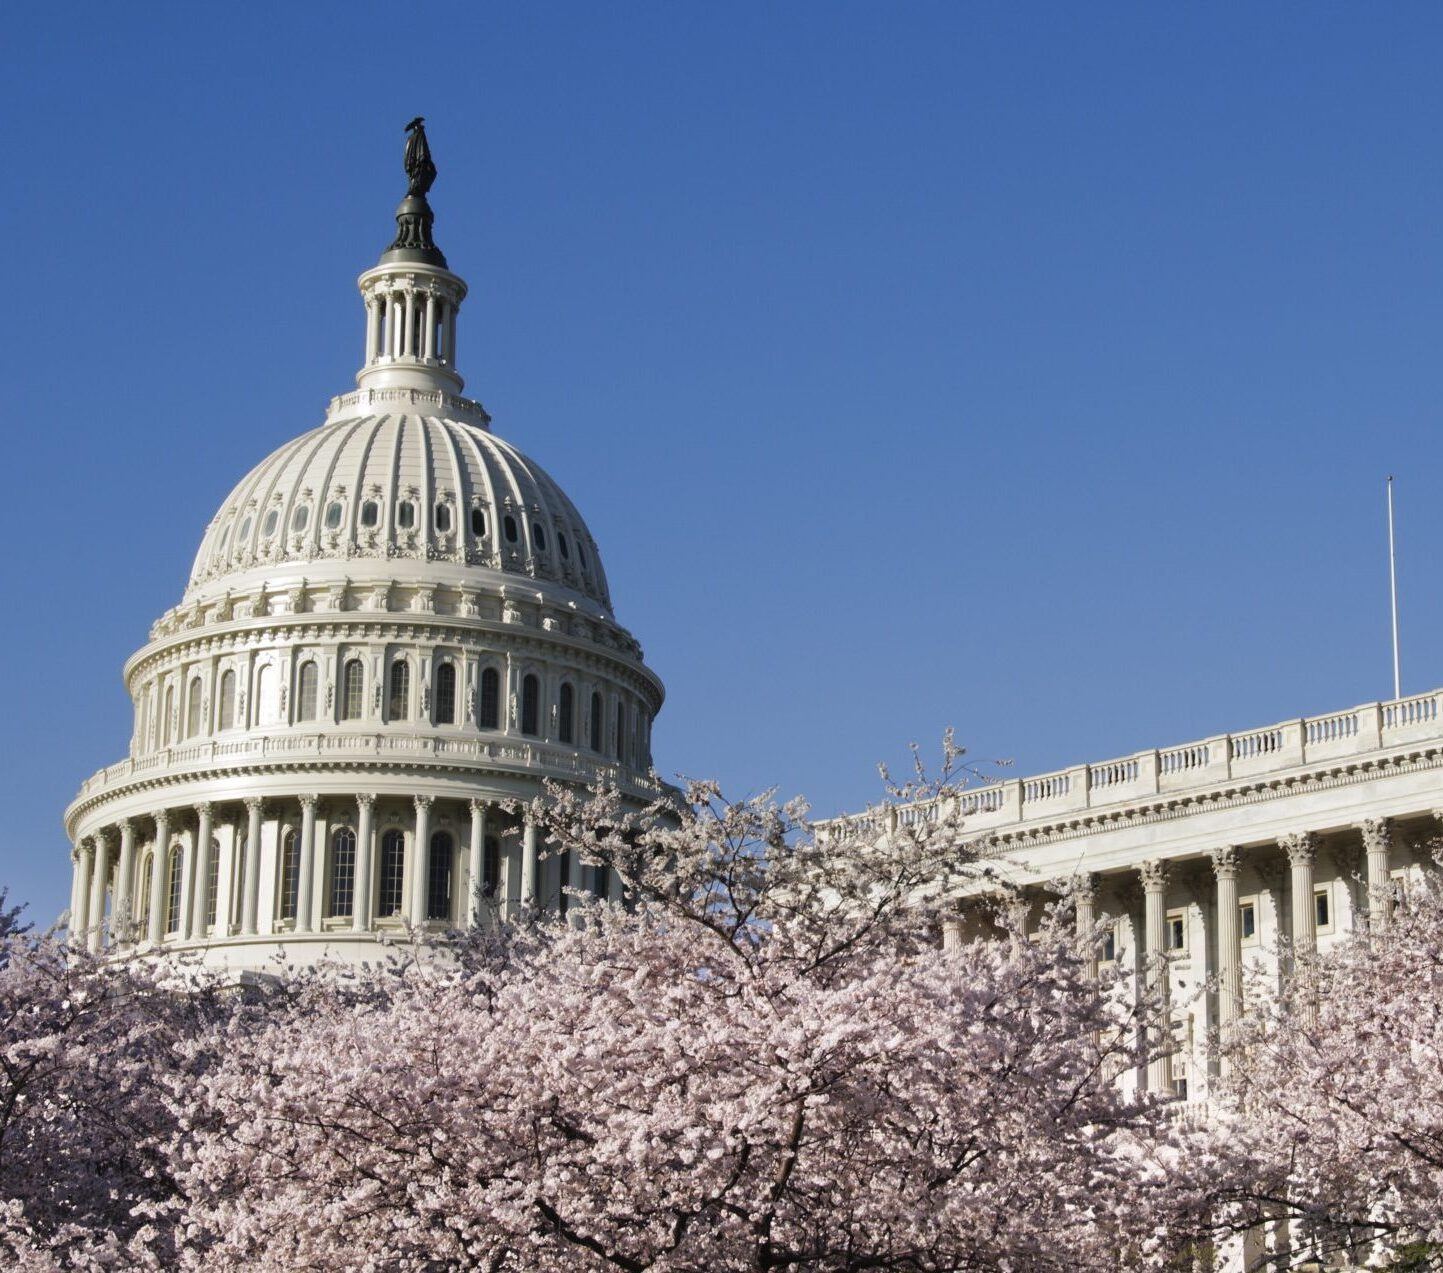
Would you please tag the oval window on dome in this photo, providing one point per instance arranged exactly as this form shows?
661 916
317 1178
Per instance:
538 532
370 513
245 530
333 515
443 517
405 514
561 544
509 526
268 527
224 539
300 517
581 553
478 522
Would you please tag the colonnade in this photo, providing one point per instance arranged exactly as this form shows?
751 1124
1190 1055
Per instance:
496 867
410 323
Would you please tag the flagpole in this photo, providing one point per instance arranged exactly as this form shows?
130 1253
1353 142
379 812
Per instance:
1393 591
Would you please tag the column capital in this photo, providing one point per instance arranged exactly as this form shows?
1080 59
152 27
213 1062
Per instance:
1154 875
204 809
125 824
1377 834
162 821
423 803
366 799
101 838
254 804
309 802
479 806
1225 861
1301 847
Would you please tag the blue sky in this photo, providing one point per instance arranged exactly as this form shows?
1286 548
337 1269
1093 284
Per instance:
1032 368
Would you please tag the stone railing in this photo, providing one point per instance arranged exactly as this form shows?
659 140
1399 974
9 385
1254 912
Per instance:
1208 762
297 748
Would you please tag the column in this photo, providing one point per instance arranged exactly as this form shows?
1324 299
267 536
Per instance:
450 358
365 863
1085 904
615 889
419 860
951 934
1378 841
99 877
123 904
1230 951
476 866
408 332
158 862
1154 887
80 895
251 883
528 865
429 347
1301 849
200 895
306 881
373 337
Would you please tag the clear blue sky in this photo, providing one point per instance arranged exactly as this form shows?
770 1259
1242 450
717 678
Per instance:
1029 368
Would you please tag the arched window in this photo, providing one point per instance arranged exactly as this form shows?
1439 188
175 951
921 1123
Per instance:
393 873
621 731
290 875
596 722
192 708
172 899
438 876
169 715
343 873
227 701
306 694
566 713
445 693
267 704
212 884
530 705
490 699
399 705
491 867
352 685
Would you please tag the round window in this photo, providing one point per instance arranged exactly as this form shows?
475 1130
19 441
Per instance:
268 527
333 515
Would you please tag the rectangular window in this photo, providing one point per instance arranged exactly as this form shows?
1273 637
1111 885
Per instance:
1176 931
1248 920
1322 909
1109 946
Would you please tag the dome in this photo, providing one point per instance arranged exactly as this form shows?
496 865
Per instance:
396 475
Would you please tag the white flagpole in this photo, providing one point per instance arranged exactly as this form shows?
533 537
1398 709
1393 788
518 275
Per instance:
1393 591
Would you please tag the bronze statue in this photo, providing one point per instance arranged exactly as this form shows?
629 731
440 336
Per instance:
420 171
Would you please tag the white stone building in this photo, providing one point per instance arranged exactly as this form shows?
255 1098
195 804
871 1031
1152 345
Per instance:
395 623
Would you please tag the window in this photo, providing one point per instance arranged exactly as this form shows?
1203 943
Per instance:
192 709
509 526
561 544
370 514
478 522
595 739
438 877
566 713
445 693
306 694
1322 909
343 873
621 731
398 707
393 867
172 902
300 517
224 539
268 527
538 533
581 554
212 884
1176 931
169 714
352 685
443 517
530 705
491 867
601 881
334 512
405 514
1248 920
245 530
1109 945
490 699
227 701
290 875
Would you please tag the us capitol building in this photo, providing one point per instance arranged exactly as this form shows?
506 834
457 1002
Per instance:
397 623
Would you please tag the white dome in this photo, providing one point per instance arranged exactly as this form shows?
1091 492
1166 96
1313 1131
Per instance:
400 474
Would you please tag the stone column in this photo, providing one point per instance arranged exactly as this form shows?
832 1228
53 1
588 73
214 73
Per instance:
251 884
408 332
429 344
372 329
1302 848
615 889
476 866
159 861
528 865
306 878
365 864
420 860
951 934
1230 951
450 329
1085 901
200 895
1378 841
123 905
80 896
99 877
1154 887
